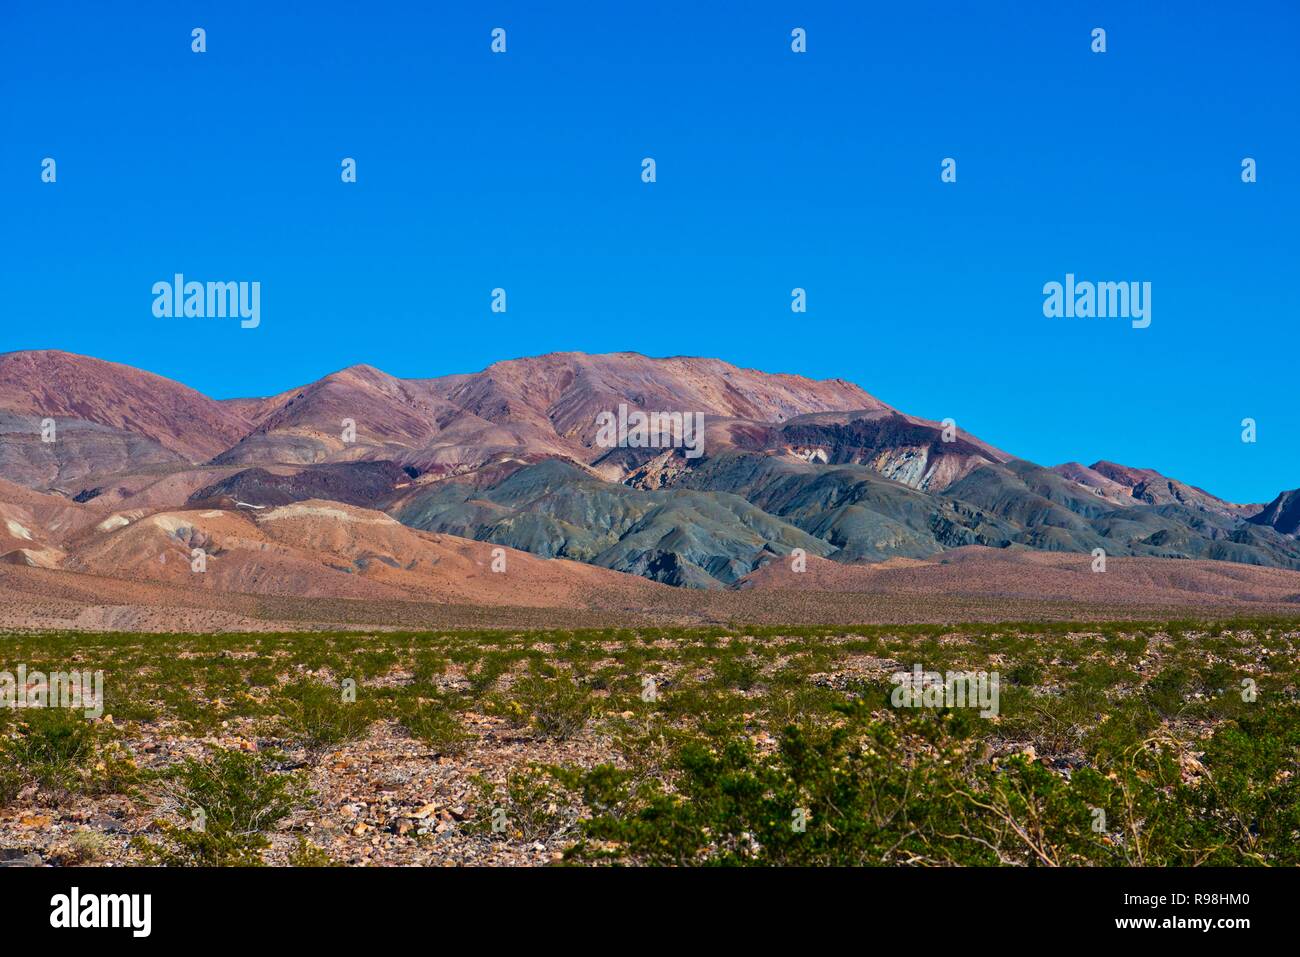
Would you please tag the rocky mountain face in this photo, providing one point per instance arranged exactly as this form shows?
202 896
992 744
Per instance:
530 409
75 452
519 455
1282 514
121 400
1147 485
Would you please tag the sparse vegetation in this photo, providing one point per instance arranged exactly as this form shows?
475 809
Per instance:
64 754
11 783
226 804
307 854
88 847
317 716
555 704
1115 744
527 806
434 722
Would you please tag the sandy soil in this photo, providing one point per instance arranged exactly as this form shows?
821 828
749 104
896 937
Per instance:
970 585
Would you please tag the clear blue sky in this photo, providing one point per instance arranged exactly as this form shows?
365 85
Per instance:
775 170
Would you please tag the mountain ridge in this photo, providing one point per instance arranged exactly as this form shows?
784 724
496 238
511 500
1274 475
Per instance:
512 455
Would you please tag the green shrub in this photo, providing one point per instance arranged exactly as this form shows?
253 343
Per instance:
434 722
484 677
528 805
54 746
741 672
426 666
1026 674
558 707
316 717
909 791
829 795
227 803
1167 691
11 782
1247 800
307 854
66 754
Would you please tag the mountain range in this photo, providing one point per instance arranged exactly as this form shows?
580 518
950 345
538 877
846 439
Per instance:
369 485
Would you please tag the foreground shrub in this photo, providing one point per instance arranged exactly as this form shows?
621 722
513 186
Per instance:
11 783
888 790
316 717
88 847
527 806
435 722
307 854
1241 805
227 803
64 754
557 707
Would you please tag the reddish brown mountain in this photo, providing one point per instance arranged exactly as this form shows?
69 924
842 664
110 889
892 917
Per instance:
527 409
508 456
299 496
565 391
1150 487
1105 488
113 420
61 385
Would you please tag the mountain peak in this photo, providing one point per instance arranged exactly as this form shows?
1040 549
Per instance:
1155 488
1281 514
56 384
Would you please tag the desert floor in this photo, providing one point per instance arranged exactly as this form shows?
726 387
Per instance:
1116 743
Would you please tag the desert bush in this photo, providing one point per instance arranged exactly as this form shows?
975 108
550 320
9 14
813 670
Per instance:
65 754
1167 691
908 791
741 672
87 847
435 722
11 783
316 717
529 806
1026 674
307 854
483 676
1241 805
227 803
557 706
427 665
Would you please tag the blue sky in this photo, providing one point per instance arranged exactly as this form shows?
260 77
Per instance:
775 170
